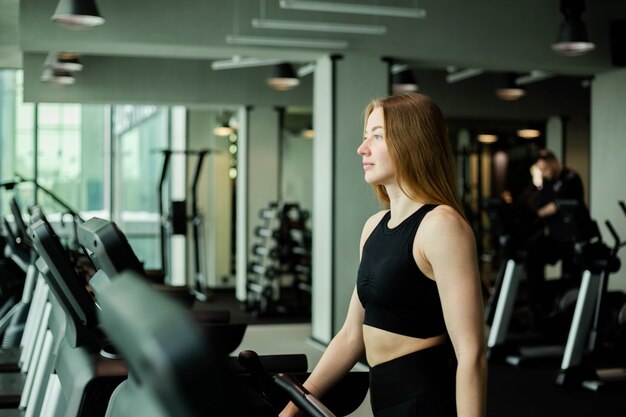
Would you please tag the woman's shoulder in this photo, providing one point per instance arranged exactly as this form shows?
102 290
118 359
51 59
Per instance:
445 218
376 217
373 220
371 223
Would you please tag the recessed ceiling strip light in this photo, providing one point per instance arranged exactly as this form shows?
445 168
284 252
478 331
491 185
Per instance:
306 69
463 74
533 77
323 6
397 68
243 63
318 26
288 42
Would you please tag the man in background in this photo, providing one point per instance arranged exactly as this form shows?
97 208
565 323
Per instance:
556 182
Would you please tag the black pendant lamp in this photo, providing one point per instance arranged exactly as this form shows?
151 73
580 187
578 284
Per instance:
226 125
308 132
57 77
77 14
507 89
223 129
403 82
283 77
572 39
64 61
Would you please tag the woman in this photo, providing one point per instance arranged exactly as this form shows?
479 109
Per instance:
418 288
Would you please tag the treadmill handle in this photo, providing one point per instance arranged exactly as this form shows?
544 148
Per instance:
302 398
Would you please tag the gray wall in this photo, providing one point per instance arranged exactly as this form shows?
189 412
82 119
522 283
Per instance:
608 153
359 79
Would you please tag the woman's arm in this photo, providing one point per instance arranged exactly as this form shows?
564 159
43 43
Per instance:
340 356
345 349
448 245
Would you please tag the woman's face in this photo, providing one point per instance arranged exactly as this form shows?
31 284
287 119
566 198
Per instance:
373 150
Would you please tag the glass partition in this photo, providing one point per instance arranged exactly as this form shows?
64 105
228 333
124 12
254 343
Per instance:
140 133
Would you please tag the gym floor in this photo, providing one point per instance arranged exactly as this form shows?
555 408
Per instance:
513 391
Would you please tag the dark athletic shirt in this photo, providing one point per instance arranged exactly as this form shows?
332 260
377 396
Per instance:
567 186
396 295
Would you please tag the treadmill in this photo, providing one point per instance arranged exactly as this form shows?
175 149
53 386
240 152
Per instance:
86 369
111 254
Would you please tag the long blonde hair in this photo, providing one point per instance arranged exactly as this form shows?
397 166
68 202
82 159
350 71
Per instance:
417 140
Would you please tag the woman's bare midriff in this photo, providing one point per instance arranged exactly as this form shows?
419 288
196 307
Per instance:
382 346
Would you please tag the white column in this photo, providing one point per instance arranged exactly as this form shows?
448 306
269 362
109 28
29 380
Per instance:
342 201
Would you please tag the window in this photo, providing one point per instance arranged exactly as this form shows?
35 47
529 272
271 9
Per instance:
17 137
99 160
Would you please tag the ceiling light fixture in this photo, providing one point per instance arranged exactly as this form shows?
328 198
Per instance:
57 77
239 62
283 77
487 138
287 42
63 61
308 132
572 39
455 75
402 80
508 91
226 124
528 133
319 26
323 6
223 130
77 14
530 130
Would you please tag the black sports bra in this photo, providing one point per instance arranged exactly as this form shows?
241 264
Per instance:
394 292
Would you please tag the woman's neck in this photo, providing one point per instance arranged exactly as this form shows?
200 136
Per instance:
401 205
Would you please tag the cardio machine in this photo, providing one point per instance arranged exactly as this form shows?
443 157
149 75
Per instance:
588 343
111 253
512 229
542 337
85 368
175 372
175 223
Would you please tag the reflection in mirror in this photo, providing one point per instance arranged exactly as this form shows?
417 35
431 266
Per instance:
279 256
214 129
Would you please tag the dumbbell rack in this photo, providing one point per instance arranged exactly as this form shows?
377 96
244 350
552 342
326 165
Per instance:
279 273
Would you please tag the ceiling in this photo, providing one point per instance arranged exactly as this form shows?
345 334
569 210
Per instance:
497 35
162 35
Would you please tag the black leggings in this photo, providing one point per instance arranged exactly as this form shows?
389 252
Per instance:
418 384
